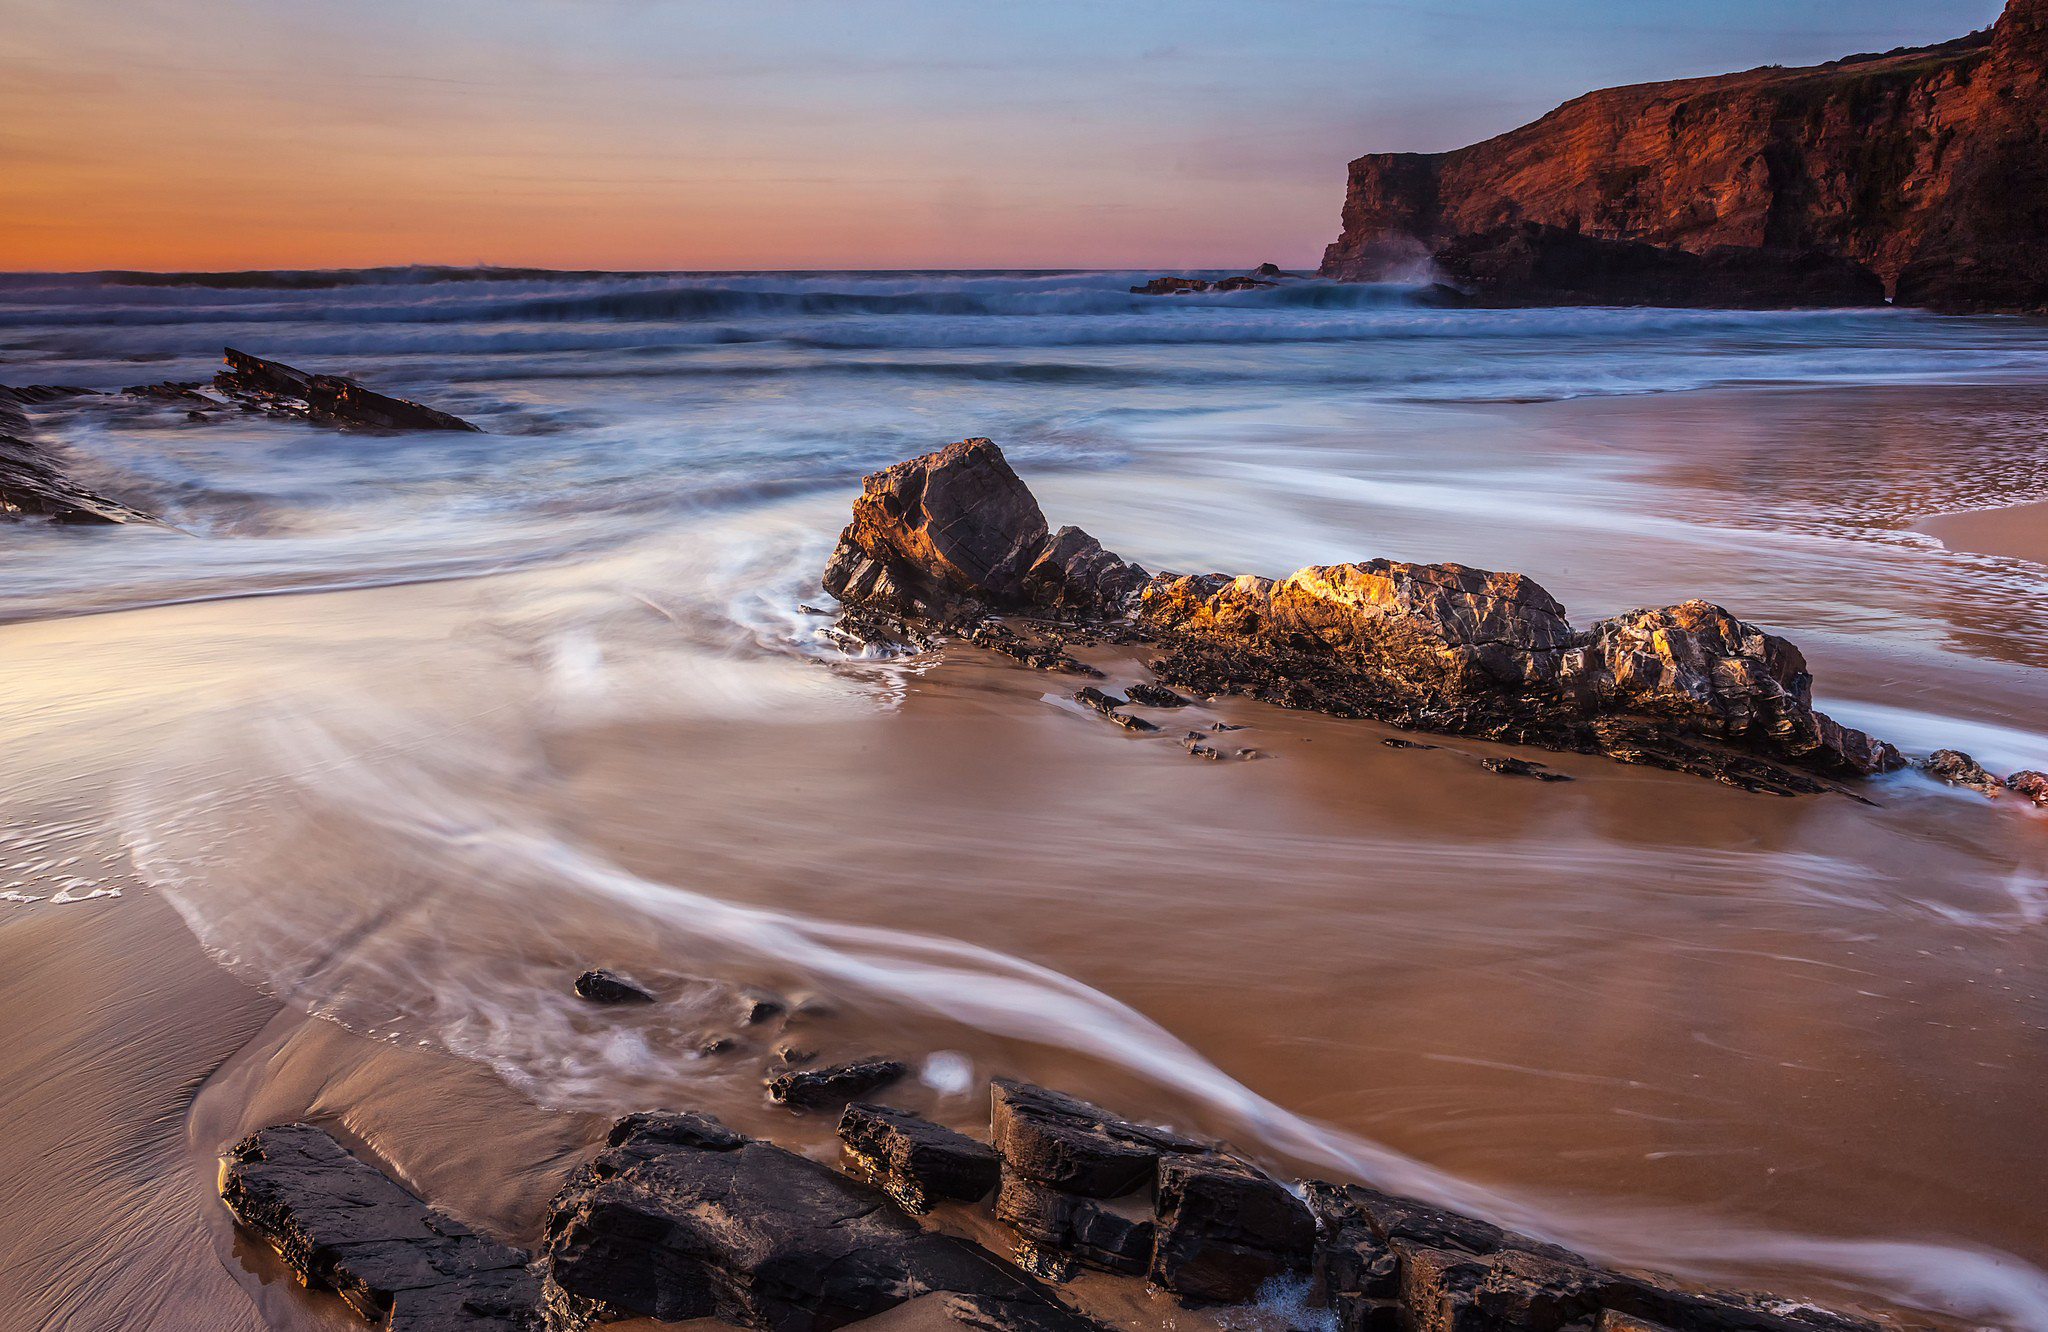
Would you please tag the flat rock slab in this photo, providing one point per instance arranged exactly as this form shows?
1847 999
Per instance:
1075 1147
343 1226
681 1218
917 1162
819 1088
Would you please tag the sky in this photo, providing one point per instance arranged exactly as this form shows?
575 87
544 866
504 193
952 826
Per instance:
1153 134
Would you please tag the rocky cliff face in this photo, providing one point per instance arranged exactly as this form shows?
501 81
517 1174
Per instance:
1929 165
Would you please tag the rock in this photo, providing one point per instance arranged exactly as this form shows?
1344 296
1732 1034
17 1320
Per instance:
1394 742
940 535
1713 675
342 1226
1155 696
2029 785
1924 165
1959 769
1530 264
1226 1228
758 1006
717 1043
1513 767
916 1161
1074 573
1093 1232
603 986
326 399
1052 1138
32 479
1170 286
688 1225
818 1088
1242 283
1107 705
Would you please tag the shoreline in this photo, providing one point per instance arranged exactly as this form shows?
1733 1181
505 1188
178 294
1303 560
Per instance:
2013 531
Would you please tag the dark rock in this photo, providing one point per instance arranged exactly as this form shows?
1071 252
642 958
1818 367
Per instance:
813 1089
2029 785
1155 696
1242 283
603 986
32 479
758 1006
750 1233
940 535
794 1054
1171 286
1040 653
1107 705
1074 573
1052 1138
717 1043
1395 743
1226 1228
1529 264
1514 767
1269 271
1092 1232
342 1226
326 399
658 1131
916 1161
1959 769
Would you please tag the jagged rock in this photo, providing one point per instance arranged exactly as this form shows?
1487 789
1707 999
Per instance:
677 1223
1107 705
342 1226
1513 767
1155 696
1052 1138
936 534
2029 785
600 985
917 1162
1226 1228
818 1088
1171 286
1959 769
1098 1234
1074 573
758 1006
32 482
327 399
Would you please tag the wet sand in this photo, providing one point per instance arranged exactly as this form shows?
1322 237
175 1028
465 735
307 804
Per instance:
2018 532
1794 1044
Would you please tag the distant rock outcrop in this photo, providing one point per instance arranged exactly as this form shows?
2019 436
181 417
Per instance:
1928 166
326 399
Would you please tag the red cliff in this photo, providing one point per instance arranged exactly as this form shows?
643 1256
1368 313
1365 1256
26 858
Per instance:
1930 166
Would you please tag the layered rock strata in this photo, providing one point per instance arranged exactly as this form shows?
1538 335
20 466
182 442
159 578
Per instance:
955 537
1927 166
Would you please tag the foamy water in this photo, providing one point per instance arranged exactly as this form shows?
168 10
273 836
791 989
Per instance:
1633 1013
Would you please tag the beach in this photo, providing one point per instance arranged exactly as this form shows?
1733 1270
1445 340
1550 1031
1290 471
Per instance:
400 733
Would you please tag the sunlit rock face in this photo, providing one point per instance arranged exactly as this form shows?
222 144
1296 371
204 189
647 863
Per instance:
1927 165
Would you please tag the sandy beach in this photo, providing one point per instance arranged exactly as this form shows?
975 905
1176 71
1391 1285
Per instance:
2018 532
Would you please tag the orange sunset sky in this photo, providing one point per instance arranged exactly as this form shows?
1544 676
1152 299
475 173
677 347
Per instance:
793 133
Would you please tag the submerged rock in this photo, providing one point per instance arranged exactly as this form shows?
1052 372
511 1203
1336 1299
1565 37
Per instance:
342 1226
817 1088
273 386
678 1225
916 1161
955 538
600 985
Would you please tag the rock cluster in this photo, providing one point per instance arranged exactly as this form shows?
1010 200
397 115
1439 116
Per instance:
342 1226
681 1217
1926 167
280 389
1959 769
1265 275
954 537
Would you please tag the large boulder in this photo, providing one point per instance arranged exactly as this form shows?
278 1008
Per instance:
343 1226
681 1218
1226 1228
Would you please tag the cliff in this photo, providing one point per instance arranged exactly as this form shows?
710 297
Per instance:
1930 166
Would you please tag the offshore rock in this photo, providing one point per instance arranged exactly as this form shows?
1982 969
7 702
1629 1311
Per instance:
342 1226
32 481
600 985
677 1225
1073 1146
1959 769
1528 263
1226 1228
1928 166
916 1161
2029 785
275 387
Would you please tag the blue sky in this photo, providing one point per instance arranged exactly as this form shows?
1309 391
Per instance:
804 133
